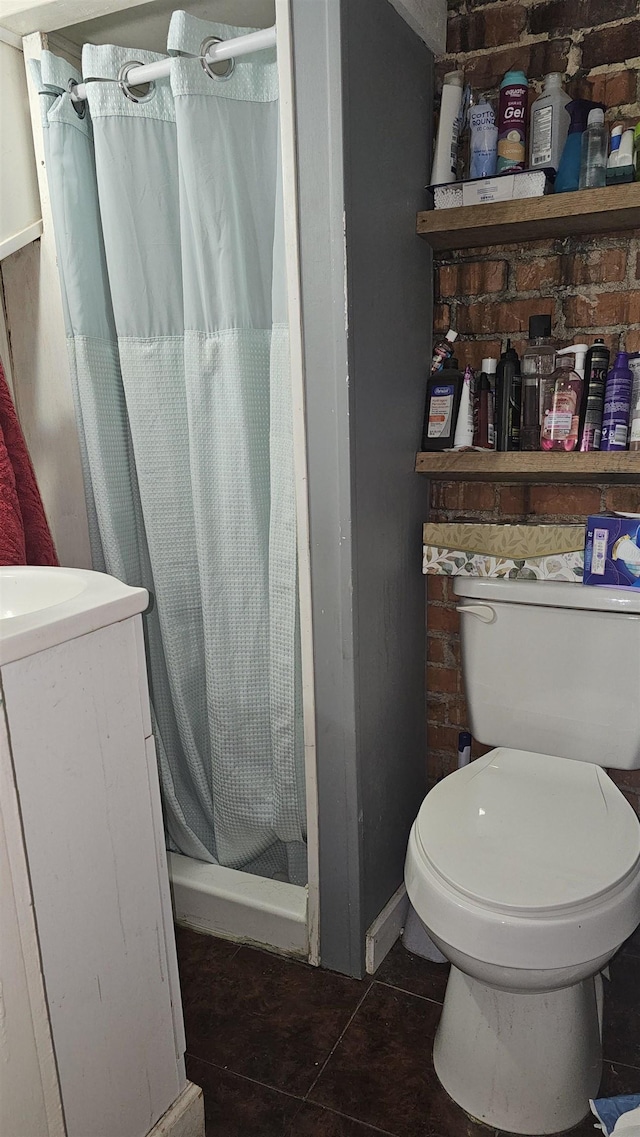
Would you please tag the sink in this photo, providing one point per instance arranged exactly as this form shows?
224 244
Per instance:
25 590
42 607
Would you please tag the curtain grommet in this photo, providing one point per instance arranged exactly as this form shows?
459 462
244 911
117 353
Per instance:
208 67
79 105
138 93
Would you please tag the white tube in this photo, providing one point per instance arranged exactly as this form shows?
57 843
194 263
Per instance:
446 151
463 436
227 49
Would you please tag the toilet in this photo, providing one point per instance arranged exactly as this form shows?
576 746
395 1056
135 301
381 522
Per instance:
524 866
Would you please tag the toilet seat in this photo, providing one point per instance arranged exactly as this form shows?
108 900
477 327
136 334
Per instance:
526 860
529 832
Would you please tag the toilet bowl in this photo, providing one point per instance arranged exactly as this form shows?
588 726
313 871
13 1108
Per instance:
525 866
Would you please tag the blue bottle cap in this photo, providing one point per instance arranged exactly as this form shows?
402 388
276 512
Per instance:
513 77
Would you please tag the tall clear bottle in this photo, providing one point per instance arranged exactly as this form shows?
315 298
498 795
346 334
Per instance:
561 414
537 366
595 148
549 124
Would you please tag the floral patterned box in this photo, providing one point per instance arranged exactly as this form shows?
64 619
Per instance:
519 552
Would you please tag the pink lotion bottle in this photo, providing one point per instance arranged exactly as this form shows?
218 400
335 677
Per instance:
561 409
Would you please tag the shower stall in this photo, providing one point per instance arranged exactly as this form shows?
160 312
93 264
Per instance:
228 262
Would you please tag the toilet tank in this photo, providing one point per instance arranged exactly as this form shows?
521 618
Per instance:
552 668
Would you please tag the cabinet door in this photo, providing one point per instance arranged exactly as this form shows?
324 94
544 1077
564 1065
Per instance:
29 1090
78 741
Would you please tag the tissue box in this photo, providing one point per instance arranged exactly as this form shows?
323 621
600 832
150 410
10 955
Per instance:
519 552
502 187
612 550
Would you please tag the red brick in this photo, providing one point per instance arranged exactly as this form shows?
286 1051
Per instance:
472 352
543 248
436 588
437 705
478 495
479 748
472 279
456 710
505 316
602 310
445 495
439 765
443 738
566 15
457 33
632 339
624 498
595 266
441 318
612 45
437 651
442 679
564 501
544 272
536 60
442 619
578 87
502 25
491 28
514 500
613 88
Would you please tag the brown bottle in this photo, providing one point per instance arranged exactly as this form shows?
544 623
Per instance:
483 416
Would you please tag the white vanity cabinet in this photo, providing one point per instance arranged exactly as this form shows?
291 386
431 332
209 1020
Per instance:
79 751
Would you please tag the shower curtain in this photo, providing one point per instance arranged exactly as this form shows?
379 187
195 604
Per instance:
168 221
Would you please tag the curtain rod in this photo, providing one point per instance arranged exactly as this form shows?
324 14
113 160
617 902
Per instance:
226 49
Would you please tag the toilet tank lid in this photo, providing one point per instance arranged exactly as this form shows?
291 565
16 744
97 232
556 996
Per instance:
549 594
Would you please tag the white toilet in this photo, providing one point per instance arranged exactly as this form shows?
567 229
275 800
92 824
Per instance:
525 865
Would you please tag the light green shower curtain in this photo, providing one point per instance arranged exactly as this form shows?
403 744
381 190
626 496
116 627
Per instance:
168 219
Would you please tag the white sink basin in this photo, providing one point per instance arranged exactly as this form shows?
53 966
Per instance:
25 590
43 607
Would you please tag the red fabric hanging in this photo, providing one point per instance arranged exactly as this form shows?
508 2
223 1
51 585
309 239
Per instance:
25 537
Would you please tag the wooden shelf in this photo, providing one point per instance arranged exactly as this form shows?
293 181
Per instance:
473 466
530 219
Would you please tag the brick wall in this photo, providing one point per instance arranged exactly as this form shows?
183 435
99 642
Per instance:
589 286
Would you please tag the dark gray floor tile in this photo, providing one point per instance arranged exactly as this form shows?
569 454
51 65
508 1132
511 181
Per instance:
381 1072
412 973
632 945
269 1018
199 960
314 1121
619 1079
621 1041
237 1107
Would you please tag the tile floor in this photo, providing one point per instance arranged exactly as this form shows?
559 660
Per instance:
286 1050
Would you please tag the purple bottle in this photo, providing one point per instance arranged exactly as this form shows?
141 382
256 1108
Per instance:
617 405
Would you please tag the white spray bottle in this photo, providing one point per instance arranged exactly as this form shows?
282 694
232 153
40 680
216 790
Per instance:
445 156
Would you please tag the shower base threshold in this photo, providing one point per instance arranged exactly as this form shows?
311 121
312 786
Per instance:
239 906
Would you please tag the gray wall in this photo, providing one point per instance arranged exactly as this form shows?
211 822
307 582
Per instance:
363 94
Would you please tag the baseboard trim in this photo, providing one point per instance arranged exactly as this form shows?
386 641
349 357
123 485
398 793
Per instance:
184 1117
386 929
